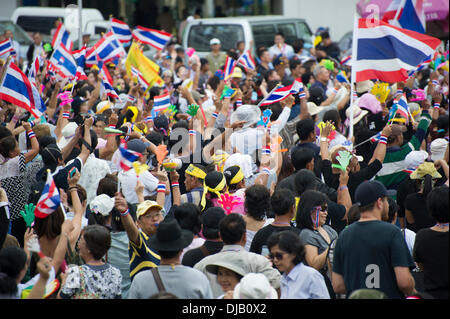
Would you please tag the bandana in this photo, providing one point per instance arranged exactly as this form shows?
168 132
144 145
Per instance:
195 171
216 190
238 177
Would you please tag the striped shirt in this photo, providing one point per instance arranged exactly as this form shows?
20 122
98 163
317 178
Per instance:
392 174
142 257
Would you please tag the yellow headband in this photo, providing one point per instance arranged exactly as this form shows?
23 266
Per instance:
216 190
238 177
104 108
195 171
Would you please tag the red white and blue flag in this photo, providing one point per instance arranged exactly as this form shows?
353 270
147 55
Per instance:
49 200
121 30
127 157
281 93
155 38
63 60
6 46
62 36
17 89
386 52
400 107
347 60
161 102
80 59
144 84
230 64
34 69
411 14
247 61
107 48
107 82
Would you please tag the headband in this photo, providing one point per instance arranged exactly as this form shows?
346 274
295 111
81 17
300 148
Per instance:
238 177
195 171
104 108
216 190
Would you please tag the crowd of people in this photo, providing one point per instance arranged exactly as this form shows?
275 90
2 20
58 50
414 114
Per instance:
228 199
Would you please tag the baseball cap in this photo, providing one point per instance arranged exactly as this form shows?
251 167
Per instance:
438 148
214 41
368 192
102 204
137 146
145 206
254 286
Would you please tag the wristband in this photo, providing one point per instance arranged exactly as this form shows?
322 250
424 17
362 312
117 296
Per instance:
265 170
65 115
436 105
131 98
31 134
175 184
302 95
399 92
435 82
238 102
341 188
215 115
111 126
335 91
192 132
148 119
125 213
32 124
383 139
161 188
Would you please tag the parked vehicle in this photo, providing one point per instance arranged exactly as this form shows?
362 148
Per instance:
19 35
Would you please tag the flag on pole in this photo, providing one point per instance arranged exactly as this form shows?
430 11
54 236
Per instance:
144 84
107 48
5 47
62 36
17 89
280 93
122 31
407 14
247 61
34 69
63 60
148 68
230 64
155 38
49 200
161 102
127 157
80 59
402 50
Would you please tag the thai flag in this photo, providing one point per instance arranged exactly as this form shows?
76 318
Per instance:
161 102
127 157
411 15
6 46
62 36
144 84
80 59
155 38
400 108
49 200
107 48
230 64
64 61
387 53
279 94
34 69
90 58
375 138
347 60
121 30
17 89
247 61
341 77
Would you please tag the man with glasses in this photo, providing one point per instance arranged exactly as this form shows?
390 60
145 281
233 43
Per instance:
371 253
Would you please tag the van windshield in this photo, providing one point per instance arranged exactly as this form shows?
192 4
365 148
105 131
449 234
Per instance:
19 34
40 24
228 34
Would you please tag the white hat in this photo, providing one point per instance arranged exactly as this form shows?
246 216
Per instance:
358 113
102 106
249 113
313 109
214 41
102 204
254 286
438 148
364 86
68 132
414 159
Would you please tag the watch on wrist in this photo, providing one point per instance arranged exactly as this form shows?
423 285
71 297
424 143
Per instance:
323 139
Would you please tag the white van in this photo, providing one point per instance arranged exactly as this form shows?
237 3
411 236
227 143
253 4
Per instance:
259 29
42 19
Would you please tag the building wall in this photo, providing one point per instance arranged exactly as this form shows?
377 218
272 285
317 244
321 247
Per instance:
337 15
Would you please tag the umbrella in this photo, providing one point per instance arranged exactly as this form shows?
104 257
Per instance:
434 9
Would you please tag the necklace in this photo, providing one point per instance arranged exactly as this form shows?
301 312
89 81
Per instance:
441 225
281 223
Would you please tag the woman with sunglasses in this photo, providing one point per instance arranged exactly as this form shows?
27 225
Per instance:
298 281
311 216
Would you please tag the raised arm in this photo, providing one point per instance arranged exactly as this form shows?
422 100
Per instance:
77 209
380 150
31 154
128 223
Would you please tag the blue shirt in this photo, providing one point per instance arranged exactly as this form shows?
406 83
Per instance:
303 282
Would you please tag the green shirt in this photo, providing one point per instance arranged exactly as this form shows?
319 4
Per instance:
216 61
365 256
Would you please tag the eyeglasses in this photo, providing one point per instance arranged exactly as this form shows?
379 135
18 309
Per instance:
278 256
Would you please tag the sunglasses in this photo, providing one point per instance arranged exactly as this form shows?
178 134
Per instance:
278 256
323 208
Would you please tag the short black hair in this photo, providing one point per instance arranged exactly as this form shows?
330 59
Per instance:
302 156
12 261
232 228
257 201
188 216
289 242
393 208
437 204
282 200
305 180
294 63
298 45
333 116
304 128
308 201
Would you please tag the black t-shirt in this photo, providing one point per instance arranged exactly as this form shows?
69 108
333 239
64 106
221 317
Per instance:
261 236
431 249
417 205
193 256
408 186
366 254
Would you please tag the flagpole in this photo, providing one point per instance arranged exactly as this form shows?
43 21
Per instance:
270 93
353 80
